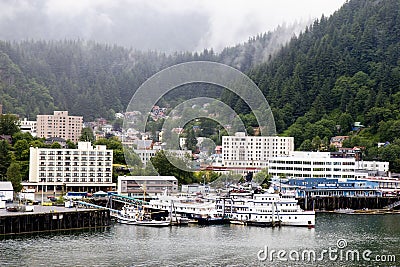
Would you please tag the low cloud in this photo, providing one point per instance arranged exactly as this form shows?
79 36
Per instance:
173 25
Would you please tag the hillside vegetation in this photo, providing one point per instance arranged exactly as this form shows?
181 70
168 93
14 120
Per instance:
339 70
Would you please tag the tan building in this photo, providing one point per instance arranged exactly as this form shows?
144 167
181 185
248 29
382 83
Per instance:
59 125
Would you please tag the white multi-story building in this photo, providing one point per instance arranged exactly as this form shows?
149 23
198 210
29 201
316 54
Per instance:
86 168
322 165
146 154
28 126
59 125
242 153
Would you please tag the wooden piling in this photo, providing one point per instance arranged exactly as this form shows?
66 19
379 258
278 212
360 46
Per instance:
54 221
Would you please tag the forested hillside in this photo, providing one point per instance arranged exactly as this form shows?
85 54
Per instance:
96 80
339 70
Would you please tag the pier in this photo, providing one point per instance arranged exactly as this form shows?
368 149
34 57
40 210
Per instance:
51 219
356 203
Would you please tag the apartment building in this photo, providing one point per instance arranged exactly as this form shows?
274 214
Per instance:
241 152
60 124
86 168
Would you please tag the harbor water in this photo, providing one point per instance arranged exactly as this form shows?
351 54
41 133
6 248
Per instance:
375 238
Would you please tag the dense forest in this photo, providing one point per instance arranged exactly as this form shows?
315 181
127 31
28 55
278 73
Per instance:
96 80
341 69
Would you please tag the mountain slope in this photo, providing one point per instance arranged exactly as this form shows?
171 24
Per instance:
348 63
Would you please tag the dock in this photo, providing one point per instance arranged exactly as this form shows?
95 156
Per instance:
52 219
330 203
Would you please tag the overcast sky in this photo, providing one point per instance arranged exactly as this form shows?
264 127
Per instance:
164 25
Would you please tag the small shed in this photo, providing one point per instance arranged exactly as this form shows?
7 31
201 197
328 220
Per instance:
6 191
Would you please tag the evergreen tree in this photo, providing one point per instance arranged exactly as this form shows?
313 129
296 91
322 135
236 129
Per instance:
14 176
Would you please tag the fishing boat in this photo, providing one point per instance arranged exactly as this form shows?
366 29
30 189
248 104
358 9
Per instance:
136 216
127 215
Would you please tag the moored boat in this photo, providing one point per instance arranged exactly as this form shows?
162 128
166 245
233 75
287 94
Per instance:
265 209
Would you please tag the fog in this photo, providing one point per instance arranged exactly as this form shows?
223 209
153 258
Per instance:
164 25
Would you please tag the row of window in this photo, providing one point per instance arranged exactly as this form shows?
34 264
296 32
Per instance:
83 163
75 180
287 162
75 152
68 158
51 174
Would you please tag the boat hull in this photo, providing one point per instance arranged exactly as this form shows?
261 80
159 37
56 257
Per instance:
152 223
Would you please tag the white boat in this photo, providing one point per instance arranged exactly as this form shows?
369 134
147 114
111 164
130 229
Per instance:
127 215
135 216
344 211
152 223
200 209
265 209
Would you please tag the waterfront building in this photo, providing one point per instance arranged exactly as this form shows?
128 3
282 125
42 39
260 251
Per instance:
242 153
86 168
323 187
146 186
60 124
6 191
323 165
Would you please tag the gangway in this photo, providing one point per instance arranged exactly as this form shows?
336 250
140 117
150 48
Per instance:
114 197
393 205
90 205
125 200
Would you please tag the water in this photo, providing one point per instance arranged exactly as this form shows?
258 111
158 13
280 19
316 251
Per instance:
235 245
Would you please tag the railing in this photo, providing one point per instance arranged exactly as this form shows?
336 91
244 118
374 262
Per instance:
393 205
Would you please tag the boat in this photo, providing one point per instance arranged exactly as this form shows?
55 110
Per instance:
176 219
344 211
196 209
237 222
152 223
264 209
137 216
127 215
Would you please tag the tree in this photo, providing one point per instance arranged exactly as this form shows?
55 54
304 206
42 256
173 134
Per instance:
56 145
9 124
262 177
14 176
21 148
191 141
5 158
87 135
306 145
70 144
162 163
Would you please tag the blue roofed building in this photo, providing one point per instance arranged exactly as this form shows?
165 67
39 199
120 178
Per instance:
324 187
